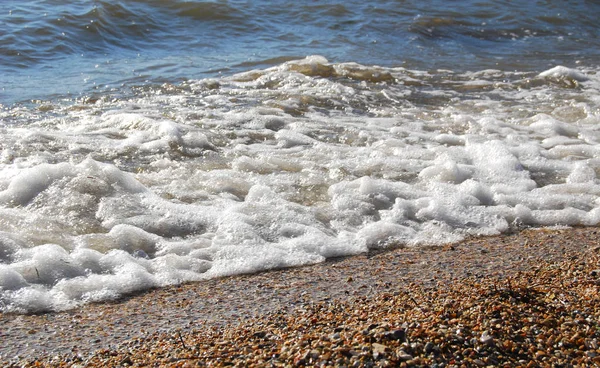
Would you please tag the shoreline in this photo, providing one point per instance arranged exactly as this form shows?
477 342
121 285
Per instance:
413 280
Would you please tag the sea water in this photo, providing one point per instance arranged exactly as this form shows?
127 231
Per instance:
150 143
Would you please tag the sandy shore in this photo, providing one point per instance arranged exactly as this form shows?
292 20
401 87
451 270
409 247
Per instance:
527 299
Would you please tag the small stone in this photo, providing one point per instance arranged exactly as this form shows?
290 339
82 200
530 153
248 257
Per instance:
260 334
550 322
540 354
379 350
312 355
309 357
379 347
399 335
299 361
429 347
486 338
404 356
372 326
479 362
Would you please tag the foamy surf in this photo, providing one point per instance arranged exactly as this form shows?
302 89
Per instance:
281 167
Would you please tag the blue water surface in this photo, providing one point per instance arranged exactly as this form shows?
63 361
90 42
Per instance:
54 49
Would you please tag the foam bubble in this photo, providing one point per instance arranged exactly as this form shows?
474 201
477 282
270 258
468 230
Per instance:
11 279
582 173
9 247
564 72
29 183
447 171
131 239
381 234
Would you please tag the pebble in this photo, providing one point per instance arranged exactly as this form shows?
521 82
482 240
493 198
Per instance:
429 347
486 338
403 356
399 335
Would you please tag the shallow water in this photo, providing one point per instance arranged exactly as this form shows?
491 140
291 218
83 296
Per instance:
208 144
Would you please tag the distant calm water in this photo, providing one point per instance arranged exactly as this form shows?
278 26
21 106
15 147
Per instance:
150 143
51 48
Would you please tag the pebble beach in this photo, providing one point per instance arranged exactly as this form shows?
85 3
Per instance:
299 184
528 299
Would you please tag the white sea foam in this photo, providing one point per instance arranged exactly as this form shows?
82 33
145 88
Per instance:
282 167
564 72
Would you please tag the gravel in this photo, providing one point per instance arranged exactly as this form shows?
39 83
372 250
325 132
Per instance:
526 299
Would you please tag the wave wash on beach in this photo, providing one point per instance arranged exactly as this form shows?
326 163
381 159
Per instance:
284 166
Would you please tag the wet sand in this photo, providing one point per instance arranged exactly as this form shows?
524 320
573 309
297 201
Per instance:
526 299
